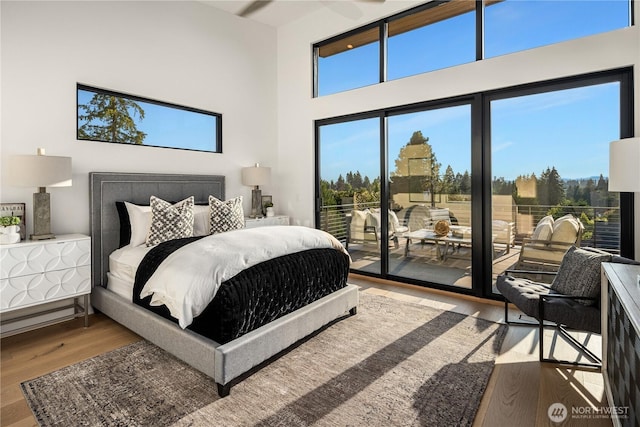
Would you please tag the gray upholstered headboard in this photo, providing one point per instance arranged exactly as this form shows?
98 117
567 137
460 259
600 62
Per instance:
106 188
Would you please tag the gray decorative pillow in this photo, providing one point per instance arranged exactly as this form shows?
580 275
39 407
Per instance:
169 221
225 216
579 273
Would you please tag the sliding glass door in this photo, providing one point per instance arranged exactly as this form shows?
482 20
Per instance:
429 164
349 193
549 162
450 193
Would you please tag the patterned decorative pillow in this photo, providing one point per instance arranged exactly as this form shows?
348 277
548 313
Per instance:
579 273
169 221
225 216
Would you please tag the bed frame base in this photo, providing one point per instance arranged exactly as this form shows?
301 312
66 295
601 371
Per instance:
229 361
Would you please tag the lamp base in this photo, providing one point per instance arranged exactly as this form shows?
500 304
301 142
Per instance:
42 216
42 236
256 203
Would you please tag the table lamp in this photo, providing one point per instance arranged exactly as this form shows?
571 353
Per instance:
624 158
255 176
41 171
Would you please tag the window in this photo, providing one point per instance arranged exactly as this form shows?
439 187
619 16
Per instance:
349 190
349 62
108 116
511 25
441 34
434 38
550 154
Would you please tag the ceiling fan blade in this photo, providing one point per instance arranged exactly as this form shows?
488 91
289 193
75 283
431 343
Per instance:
253 7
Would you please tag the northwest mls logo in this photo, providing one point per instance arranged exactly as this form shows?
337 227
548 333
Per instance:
557 412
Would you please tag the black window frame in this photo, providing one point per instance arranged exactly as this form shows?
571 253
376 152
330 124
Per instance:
216 116
382 24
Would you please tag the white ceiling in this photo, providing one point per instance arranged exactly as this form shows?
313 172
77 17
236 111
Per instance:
281 12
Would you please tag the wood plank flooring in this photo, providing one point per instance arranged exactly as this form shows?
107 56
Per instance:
519 392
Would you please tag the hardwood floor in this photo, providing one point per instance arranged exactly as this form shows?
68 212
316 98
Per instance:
519 392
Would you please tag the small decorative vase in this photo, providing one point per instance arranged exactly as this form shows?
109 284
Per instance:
270 211
9 234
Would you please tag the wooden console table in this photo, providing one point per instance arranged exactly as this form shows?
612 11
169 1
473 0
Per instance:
621 340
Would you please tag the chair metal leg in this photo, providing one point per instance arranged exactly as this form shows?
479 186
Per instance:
597 362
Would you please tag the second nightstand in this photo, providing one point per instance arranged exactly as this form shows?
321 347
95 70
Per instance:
269 220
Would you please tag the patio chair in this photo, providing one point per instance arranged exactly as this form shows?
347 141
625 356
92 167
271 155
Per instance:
359 230
549 242
365 227
572 301
505 233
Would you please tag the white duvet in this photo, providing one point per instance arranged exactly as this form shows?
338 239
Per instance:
189 278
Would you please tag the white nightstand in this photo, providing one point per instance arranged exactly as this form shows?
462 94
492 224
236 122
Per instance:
268 220
39 272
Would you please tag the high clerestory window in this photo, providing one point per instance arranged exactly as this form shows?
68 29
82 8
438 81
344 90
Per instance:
441 34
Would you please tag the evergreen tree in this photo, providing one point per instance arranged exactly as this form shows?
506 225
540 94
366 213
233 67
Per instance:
465 183
449 181
356 181
111 118
550 188
418 163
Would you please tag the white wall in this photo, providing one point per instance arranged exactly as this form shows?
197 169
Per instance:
181 52
297 109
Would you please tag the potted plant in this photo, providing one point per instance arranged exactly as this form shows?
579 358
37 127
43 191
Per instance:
268 207
9 228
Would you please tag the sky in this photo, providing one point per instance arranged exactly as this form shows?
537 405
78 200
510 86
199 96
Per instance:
570 129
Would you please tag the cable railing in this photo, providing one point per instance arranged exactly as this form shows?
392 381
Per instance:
601 224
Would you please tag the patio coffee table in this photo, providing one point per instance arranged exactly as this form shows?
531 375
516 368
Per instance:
429 235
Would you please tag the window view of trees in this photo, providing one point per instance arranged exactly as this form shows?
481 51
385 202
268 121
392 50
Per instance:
108 116
417 172
111 118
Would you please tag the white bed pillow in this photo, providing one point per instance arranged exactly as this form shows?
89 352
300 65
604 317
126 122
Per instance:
140 219
201 215
169 222
225 216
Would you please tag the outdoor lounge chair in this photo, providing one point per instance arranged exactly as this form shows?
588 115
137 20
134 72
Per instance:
365 227
572 301
505 233
549 242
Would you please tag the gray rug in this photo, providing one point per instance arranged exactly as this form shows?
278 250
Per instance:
393 363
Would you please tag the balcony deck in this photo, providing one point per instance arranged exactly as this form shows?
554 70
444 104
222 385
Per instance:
423 264
602 230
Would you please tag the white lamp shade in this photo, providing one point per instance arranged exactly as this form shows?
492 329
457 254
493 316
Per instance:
624 165
256 175
40 171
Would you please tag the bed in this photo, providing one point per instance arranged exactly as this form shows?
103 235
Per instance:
223 357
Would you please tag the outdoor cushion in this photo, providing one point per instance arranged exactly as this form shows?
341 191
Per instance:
544 229
565 229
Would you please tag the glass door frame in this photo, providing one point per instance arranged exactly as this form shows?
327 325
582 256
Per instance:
622 76
474 102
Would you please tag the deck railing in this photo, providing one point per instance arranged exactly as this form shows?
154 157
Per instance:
601 224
